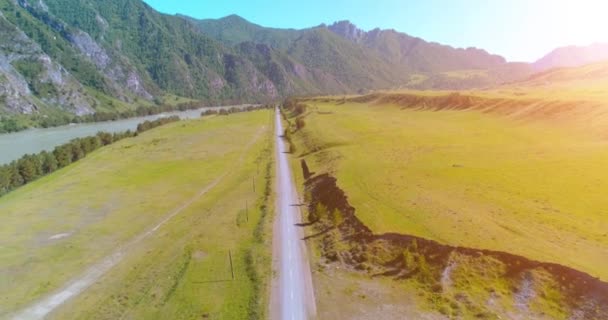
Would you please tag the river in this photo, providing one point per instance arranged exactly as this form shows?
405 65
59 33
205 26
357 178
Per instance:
15 145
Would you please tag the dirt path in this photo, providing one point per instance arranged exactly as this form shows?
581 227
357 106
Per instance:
41 308
292 296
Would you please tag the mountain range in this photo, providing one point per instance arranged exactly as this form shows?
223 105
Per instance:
572 56
85 56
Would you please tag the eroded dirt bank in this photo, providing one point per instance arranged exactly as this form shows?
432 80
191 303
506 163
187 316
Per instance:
457 281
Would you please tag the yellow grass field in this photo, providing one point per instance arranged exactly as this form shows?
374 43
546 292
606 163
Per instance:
498 177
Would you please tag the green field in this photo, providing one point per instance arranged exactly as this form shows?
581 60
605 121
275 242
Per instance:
469 178
56 227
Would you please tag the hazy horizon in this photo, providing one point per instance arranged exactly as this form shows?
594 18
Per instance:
517 30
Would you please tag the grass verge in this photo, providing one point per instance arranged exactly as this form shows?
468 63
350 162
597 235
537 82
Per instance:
180 271
371 150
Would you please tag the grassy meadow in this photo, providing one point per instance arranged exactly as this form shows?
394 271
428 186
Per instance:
56 227
468 177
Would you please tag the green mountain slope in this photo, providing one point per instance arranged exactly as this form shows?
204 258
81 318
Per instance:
111 52
348 63
419 55
62 57
234 30
371 58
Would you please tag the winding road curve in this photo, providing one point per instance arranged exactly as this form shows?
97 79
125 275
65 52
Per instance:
292 293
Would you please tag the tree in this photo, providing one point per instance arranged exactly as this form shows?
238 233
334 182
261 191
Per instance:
63 155
144 126
49 162
15 176
27 169
5 179
89 144
104 138
10 125
76 150
299 109
37 161
208 113
300 123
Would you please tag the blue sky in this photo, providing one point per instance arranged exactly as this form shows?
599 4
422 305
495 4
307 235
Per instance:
520 30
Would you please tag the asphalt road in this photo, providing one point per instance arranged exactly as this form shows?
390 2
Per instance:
293 295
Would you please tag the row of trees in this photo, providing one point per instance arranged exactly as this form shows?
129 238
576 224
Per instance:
147 125
140 111
33 166
10 124
225 112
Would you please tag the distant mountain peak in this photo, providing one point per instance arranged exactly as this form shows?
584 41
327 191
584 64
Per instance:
344 23
235 17
347 30
230 19
573 56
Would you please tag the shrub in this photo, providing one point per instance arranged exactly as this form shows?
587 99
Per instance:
424 270
208 112
320 212
337 217
300 123
299 109
409 260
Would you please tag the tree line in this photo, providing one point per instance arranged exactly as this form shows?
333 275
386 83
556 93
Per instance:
33 166
225 112
9 124
140 111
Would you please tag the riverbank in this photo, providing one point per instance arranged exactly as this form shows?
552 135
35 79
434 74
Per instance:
15 145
